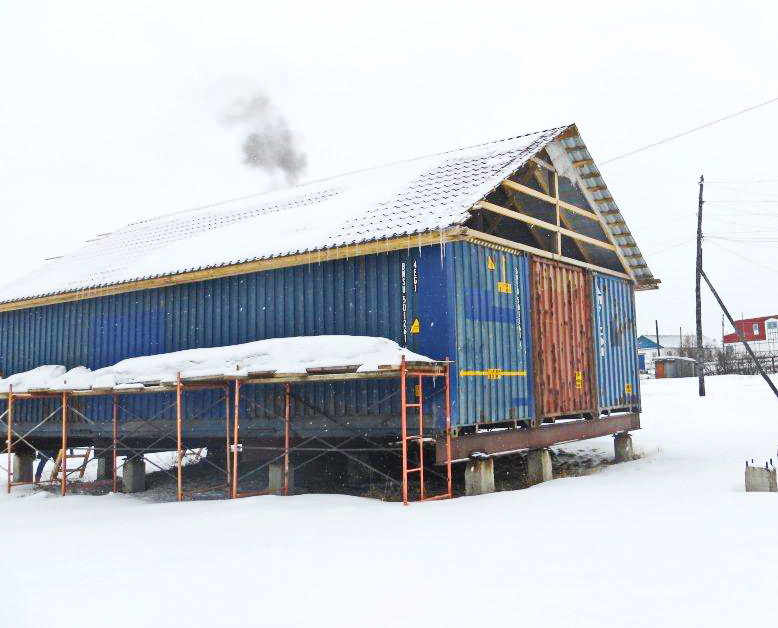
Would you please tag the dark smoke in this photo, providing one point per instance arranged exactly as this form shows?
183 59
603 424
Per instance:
268 142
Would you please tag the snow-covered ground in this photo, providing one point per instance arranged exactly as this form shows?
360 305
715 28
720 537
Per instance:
670 539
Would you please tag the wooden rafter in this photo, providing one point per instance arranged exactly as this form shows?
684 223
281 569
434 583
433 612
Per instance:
550 199
549 226
510 245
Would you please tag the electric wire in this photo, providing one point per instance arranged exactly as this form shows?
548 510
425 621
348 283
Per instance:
671 247
664 222
702 126
721 187
744 257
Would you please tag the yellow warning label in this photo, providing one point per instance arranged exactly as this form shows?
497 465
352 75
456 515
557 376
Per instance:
578 379
504 286
417 390
415 326
490 263
628 388
493 373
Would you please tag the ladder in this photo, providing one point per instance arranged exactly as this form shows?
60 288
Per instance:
408 438
85 457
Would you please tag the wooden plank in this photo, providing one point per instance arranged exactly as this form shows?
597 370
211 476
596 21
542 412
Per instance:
549 199
542 163
315 257
601 219
544 225
350 368
517 203
471 235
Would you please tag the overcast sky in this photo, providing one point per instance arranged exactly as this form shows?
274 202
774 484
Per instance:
113 112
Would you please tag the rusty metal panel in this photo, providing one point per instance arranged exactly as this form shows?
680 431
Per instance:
496 442
615 344
562 339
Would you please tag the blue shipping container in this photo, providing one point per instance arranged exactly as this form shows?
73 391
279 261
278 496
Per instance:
615 340
491 335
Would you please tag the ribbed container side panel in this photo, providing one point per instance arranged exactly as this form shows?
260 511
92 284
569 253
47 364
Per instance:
562 339
493 369
615 343
358 296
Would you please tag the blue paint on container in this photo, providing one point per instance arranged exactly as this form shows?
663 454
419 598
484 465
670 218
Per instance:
615 341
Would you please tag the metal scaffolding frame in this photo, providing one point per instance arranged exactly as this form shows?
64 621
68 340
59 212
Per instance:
315 445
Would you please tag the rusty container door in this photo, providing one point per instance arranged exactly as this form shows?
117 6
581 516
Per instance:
562 340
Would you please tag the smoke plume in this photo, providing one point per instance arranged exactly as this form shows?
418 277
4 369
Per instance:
268 142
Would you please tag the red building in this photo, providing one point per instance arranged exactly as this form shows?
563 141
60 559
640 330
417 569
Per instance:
761 331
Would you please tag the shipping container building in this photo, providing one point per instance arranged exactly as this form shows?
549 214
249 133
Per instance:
510 259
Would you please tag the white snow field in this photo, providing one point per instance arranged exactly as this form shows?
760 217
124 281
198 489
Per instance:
670 539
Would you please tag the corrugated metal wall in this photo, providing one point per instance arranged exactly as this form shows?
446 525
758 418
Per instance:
615 343
518 327
562 339
360 296
493 347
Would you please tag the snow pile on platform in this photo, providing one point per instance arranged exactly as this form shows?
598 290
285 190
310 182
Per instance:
294 355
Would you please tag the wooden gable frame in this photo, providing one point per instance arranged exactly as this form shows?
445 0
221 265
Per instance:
560 227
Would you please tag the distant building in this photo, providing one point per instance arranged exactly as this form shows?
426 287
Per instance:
674 366
668 346
760 332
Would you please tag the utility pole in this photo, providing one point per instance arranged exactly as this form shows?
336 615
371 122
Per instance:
658 346
740 336
697 297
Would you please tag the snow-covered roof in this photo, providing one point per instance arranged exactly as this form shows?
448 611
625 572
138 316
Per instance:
274 356
410 197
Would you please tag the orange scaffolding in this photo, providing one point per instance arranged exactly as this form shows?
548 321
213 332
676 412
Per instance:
417 371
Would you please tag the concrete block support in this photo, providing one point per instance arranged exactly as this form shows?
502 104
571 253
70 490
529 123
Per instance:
275 472
538 466
761 480
23 466
622 445
105 467
134 475
479 476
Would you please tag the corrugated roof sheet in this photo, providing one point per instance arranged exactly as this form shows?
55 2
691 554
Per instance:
405 198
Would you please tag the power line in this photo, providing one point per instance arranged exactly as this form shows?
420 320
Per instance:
754 181
702 126
664 222
721 187
670 247
744 257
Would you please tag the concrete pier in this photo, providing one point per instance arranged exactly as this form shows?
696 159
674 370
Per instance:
134 475
622 445
275 472
23 462
105 467
479 476
760 480
538 466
